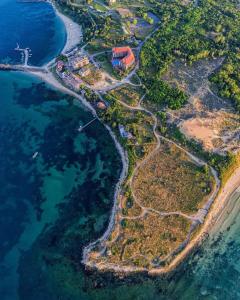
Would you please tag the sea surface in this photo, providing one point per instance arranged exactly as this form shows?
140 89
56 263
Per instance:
30 25
54 204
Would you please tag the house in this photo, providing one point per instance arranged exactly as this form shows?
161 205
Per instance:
79 62
84 72
122 58
60 66
111 2
73 81
101 105
124 133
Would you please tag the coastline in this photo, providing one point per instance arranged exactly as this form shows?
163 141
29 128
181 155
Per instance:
74 33
218 205
217 208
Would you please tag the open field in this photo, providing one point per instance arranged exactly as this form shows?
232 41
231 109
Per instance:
104 60
138 244
170 181
128 94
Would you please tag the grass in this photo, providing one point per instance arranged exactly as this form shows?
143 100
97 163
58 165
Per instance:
105 62
99 7
143 240
128 94
96 46
170 181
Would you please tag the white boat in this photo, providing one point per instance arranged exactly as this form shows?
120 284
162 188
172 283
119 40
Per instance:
35 155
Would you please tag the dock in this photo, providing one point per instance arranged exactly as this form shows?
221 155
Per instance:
25 54
31 1
81 128
9 67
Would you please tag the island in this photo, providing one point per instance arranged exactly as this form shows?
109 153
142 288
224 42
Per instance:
163 77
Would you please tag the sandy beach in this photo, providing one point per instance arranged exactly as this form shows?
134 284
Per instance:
74 33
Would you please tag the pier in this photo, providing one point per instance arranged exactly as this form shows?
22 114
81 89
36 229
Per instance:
31 1
25 54
22 68
81 128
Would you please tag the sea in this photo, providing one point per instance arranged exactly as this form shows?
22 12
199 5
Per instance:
57 188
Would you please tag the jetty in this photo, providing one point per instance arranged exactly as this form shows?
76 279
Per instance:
25 54
31 1
81 128
9 67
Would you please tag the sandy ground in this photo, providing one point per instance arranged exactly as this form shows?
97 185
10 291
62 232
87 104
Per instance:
206 117
74 31
217 131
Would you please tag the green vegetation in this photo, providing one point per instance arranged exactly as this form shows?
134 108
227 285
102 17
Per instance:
228 80
190 33
138 123
161 93
128 94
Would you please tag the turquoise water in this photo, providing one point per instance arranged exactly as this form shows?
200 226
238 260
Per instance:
73 174
53 205
70 167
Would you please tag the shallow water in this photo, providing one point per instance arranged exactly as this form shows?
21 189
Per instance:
38 119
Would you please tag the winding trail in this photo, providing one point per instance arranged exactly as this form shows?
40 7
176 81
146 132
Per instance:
196 219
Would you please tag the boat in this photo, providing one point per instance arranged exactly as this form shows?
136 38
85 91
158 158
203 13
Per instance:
35 155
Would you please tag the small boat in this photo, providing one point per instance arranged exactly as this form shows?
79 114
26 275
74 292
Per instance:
35 155
80 128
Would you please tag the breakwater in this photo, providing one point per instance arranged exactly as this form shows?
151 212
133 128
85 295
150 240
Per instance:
8 67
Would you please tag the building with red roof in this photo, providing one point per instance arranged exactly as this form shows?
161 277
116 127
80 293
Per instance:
122 57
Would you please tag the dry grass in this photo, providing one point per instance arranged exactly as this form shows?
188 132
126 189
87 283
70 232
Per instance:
170 181
128 94
151 237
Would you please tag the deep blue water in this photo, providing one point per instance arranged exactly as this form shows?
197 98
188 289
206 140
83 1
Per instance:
31 25
70 168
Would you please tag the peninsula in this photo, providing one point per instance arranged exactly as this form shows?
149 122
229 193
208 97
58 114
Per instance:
164 79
